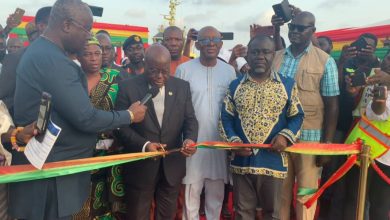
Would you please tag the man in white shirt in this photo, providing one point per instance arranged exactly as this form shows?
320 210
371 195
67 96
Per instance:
209 79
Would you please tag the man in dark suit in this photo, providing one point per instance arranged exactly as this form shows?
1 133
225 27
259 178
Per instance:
45 66
169 120
11 61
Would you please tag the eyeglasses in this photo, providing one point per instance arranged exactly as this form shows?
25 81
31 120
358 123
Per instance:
298 27
77 24
207 41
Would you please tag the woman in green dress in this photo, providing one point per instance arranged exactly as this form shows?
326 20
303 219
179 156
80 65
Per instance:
107 188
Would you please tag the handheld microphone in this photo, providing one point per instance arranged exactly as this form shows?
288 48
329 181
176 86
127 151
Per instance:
151 94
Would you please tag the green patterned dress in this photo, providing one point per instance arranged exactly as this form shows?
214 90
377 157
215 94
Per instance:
107 190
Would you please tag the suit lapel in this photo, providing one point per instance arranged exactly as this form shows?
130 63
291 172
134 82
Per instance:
170 96
143 89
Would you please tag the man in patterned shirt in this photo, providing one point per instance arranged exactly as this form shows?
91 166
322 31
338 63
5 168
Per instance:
316 76
260 107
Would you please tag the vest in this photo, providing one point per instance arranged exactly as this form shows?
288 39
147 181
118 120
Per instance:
308 77
376 134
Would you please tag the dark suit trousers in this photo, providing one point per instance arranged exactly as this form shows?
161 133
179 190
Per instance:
139 199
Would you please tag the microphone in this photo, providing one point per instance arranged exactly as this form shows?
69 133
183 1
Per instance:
153 91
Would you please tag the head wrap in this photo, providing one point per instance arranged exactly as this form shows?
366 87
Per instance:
93 41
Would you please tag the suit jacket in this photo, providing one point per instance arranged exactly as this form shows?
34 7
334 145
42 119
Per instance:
8 78
179 123
45 67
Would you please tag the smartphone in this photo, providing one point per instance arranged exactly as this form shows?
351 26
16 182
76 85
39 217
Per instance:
18 14
96 11
227 35
43 115
283 10
359 44
380 93
358 78
265 30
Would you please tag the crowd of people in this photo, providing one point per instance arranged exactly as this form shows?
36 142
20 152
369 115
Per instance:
262 93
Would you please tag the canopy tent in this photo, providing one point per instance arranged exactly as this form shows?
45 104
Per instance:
346 36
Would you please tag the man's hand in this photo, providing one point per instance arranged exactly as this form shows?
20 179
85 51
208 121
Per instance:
27 133
368 52
238 51
347 53
155 147
253 30
380 77
138 111
277 22
192 35
243 152
279 143
188 148
12 22
349 88
295 11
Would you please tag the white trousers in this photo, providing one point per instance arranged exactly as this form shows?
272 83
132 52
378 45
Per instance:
214 193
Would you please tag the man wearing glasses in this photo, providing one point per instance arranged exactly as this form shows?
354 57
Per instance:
47 67
135 52
209 79
316 75
108 53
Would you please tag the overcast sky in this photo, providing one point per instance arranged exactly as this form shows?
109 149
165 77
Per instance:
226 15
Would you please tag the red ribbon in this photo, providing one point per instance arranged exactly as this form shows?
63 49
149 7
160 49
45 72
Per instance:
336 176
380 172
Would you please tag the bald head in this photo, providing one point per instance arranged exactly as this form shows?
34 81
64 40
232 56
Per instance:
209 44
70 25
305 17
301 29
171 29
68 9
157 53
173 40
157 65
205 31
103 36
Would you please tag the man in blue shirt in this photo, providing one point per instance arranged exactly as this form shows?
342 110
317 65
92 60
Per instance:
260 107
315 73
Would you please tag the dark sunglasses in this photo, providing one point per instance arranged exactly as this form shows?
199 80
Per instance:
298 27
208 41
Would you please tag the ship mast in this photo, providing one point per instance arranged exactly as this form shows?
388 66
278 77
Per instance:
171 18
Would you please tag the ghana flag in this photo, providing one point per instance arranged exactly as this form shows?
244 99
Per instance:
346 36
119 33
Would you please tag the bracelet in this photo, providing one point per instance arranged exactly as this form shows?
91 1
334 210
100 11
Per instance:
131 116
15 146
